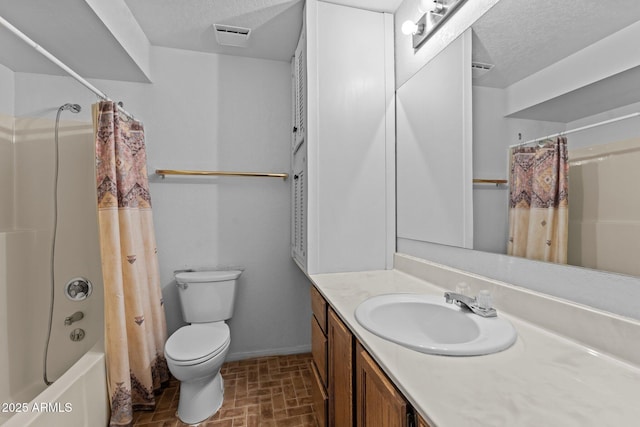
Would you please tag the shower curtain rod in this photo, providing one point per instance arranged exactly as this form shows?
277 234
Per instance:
61 64
605 122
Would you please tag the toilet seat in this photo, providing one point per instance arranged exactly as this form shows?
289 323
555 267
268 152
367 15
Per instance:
197 343
207 276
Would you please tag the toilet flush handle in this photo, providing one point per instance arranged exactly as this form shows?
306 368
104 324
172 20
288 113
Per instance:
182 285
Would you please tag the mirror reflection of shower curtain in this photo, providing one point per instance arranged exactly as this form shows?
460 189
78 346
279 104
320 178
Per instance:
135 327
538 201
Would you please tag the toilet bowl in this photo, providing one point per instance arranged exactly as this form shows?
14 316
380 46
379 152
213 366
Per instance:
195 353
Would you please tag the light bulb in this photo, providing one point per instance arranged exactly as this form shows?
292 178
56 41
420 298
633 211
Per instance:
409 27
434 6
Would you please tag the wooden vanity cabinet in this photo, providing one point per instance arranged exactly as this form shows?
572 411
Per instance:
349 388
332 365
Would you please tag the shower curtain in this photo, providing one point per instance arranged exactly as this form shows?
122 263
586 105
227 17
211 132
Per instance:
135 327
538 201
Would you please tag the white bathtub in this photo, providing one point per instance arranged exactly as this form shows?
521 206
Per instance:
77 399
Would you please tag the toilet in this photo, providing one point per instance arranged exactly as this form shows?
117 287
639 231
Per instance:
195 353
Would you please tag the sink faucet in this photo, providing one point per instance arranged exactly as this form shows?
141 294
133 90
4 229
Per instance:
484 310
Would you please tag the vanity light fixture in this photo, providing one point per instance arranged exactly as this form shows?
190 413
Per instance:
434 13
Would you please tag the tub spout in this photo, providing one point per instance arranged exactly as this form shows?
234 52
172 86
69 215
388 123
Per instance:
78 315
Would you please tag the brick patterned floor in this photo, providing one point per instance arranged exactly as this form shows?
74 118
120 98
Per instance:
266 392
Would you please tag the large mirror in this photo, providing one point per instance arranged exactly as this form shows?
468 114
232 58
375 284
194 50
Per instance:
539 69
544 67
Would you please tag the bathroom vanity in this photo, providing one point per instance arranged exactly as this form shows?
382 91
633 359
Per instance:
544 379
345 373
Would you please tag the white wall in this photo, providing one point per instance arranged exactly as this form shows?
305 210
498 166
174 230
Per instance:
7 100
617 131
492 135
207 111
7 90
490 141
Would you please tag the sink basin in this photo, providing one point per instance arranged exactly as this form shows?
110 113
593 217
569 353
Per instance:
426 323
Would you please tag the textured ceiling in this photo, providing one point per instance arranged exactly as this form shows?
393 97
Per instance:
518 36
521 37
71 31
275 24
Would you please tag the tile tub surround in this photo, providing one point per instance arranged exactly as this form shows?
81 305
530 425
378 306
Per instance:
543 379
266 391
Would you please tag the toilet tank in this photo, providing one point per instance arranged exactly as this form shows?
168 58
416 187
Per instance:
207 296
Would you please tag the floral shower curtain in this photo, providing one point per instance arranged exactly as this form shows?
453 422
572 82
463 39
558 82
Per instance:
135 328
538 201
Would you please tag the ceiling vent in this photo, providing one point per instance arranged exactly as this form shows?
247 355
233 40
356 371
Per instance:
227 35
478 69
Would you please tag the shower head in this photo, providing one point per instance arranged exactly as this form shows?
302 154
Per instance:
74 108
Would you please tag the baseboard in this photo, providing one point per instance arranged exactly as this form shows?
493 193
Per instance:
268 352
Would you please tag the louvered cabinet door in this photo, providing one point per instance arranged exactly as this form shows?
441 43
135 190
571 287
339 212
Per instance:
300 91
299 153
299 214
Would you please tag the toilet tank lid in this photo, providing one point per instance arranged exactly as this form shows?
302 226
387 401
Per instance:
207 276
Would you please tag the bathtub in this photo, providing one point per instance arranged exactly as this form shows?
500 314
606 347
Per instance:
26 230
77 399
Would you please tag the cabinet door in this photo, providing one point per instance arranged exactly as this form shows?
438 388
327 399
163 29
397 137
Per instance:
379 404
299 208
422 423
299 68
340 376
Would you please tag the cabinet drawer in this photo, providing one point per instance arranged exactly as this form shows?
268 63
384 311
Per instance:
319 308
319 397
319 350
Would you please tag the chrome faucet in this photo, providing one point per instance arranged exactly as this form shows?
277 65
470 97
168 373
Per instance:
483 309
78 315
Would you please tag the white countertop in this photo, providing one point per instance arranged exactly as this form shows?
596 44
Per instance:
542 380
